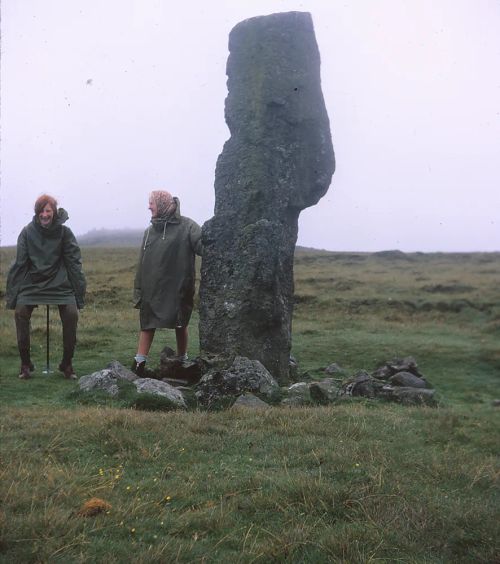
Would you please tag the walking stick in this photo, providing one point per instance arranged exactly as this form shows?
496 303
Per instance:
47 366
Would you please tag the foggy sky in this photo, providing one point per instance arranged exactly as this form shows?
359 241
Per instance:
103 101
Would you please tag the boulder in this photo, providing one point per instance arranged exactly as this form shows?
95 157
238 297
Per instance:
362 384
407 379
294 401
278 161
334 368
119 371
413 396
299 394
159 388
324 391
249 401
104 380
244 375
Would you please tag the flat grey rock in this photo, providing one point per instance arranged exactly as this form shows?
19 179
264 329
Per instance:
413 396
101 380
249 401
159 388
407 379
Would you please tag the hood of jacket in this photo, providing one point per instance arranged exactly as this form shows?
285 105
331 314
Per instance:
54 229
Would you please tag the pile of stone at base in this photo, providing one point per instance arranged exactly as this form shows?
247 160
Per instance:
247 383
398 380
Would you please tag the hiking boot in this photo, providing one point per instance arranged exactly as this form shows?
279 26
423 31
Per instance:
139 368
68 372
24 372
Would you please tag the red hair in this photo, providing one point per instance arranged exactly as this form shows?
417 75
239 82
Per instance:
42 201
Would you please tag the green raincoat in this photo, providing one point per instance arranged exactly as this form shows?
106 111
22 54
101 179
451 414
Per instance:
164 283
48 266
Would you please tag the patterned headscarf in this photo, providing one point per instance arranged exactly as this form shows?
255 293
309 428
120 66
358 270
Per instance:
164 202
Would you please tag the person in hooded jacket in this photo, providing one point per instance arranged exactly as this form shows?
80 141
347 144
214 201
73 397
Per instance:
47 270
165 280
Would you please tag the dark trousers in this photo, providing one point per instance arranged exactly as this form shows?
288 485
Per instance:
69 317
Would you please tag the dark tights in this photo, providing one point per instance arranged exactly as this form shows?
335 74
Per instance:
69 318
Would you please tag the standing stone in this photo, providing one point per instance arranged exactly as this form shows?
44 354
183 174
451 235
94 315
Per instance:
278 161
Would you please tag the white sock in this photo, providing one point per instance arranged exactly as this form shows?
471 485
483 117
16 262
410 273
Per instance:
140 358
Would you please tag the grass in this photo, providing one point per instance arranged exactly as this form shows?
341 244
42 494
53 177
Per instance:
356 482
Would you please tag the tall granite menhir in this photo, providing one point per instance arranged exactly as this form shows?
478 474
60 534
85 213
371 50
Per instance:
278 161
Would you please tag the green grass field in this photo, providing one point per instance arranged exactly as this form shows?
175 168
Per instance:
361 481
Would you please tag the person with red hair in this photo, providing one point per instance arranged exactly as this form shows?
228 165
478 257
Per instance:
47 270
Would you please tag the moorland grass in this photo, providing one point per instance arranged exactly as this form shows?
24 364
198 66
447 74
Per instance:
359 481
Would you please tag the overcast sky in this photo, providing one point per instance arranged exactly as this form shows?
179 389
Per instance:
103 101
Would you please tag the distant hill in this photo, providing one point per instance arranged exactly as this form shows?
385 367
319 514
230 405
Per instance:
111 238
131 238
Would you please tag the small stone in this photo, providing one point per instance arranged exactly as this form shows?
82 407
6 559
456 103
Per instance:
413 396
333 368
407 379
297 394
299 389
167 352
293 369
177 370
294 402
360 385
249 401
